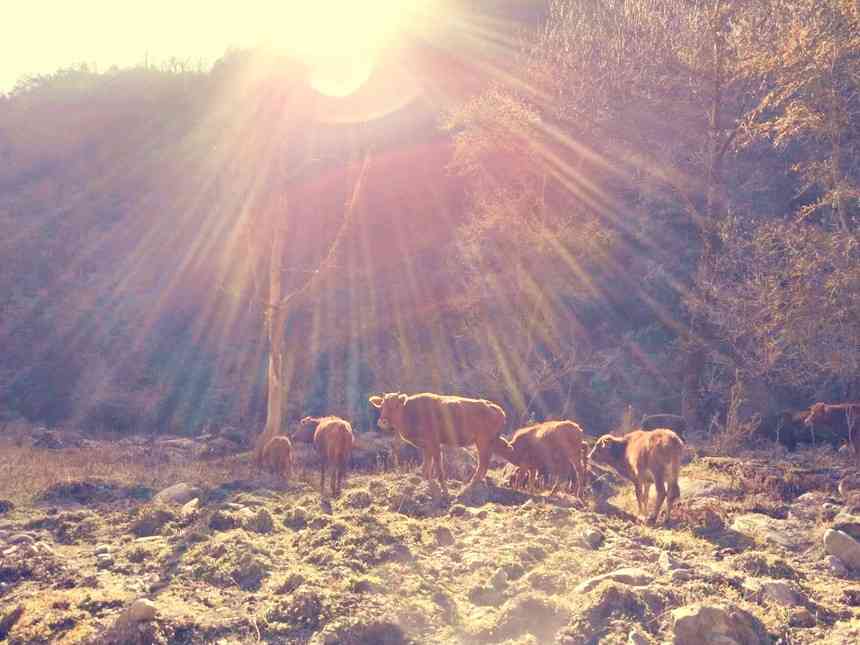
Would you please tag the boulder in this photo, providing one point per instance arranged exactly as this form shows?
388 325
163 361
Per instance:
725 624
632 576
777 591
757 526
847 523
844 547
180 493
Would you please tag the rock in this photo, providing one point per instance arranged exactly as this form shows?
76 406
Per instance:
847 523
296 518
223 521
102 549
848 485
693 488
141 610
681 575
632 576
7 622
836 566
784 533
260 522
21 538
443 536
801 617
668 562
477 494
190 508
638 638
6 506
808 507
458 510
104 561
591 538
499 580
180 493
358 499
844 547
718 623
151 521
777 591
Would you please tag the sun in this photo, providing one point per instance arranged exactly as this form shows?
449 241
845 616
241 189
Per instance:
341 40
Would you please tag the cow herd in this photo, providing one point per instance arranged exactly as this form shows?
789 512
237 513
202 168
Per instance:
555 451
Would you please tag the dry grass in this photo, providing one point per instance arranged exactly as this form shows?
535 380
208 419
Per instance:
27 472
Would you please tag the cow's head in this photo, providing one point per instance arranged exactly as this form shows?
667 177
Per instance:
607 451
391 408
816 413
308 422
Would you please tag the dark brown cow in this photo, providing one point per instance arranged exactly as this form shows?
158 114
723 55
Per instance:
277 456
674 422
842 419
645 456
332 437
430 421
552 447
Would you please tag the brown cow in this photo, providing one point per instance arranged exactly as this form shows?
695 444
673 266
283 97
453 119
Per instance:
430 421
277 456
332 437
644 456
843 419
674 422
552 447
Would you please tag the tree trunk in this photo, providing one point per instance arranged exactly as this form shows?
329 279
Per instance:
276 318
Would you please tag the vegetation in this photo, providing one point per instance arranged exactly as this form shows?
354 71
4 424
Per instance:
642 204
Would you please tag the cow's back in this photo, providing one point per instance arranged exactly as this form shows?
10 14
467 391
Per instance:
656 451
449 420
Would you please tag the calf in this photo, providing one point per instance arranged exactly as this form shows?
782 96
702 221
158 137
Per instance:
332 437
644 456
842 419
430 421
552 447
277 456
674 422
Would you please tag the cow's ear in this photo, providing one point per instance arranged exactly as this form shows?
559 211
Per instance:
375 401
402 399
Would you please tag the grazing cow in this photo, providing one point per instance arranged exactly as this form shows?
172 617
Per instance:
277 456
675 422
841 419
430 421
552 447
332 437
645 456
786 427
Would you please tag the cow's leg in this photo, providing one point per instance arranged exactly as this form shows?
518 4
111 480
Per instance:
673 494
637 487
484 451
554 489
439 467
427 465
322 478
660 485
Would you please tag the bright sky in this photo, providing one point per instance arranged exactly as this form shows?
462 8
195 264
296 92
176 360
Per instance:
40 36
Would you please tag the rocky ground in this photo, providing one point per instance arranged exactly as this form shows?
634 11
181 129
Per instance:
205 550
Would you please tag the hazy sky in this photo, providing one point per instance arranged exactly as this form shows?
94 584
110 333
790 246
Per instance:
40 36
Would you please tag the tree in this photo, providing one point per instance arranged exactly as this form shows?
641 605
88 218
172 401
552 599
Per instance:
812 64
278 305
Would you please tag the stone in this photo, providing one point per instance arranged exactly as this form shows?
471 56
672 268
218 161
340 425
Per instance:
848 485
638 638
190 508
592 539
499 580
259 522
101 549
668 562
141 610
847 523
21 538
632 576
808 507
725 624
836 566
358 499
759 527
180 493
844 547
801 617
443 536
777 591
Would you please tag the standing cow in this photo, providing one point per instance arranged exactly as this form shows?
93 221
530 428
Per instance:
430 421
841 419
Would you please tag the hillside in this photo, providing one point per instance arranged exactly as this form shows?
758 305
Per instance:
239 557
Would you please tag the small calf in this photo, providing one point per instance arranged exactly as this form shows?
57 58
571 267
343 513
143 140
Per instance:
645 456
332 437
277 456
552 447
674 422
